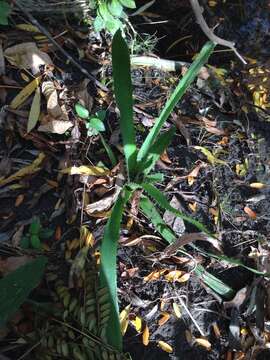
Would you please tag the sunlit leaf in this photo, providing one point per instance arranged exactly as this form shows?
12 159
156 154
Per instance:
165 317
129 3
85 170
81 111
177 310
123 95
34 111
145 336
165 347
25 93
210 157
123 318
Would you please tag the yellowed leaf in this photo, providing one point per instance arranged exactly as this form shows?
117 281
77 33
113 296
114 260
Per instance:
145 336
165 347
210 157
123 318
86 237
27 170
173 275
177 310
28 27
137 323
184 278
204 343
34 111
257 185
165 317
25 93
85 170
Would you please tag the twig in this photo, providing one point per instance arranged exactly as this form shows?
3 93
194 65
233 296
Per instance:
55 43
198 11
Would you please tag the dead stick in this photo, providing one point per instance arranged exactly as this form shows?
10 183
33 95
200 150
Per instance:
55 43
198 10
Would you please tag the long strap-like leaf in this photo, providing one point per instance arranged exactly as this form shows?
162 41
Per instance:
108 274
164 203
180 90
123 95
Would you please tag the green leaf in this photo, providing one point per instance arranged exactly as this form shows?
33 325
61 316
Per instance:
5 10
108 272
99 23
123 95
115 8
104 12
129 3
213 282
151 213
35 242
35 227
96 124
16 286
81 111
160 198
180 90
34 111
113 25
154 178
156 150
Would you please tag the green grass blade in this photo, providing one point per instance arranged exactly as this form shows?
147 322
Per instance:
17 285
108 150
156 150
164 203
150 211
213 282
108 274
123 95
180 90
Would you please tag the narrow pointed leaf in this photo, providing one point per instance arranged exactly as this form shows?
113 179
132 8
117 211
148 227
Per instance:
180 90
156 150
164 203
150 211
108 274
34 111
123 95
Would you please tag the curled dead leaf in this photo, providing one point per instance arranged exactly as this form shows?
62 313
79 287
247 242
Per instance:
165 317
204 343
56 126
165 347
145 336
250 212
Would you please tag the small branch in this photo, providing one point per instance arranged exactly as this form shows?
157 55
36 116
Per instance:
55 43
197 9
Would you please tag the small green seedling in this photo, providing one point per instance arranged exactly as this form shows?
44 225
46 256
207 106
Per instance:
32 240
95 126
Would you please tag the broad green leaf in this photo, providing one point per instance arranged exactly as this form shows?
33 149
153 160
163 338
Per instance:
128 3
99 23
96 124
123 95
16 286
34 111
154 178
35 242
160 198
180 90
104 11
213 282
151 213
81 111
5 10
113 25
156 150
108 273
115 8
35 227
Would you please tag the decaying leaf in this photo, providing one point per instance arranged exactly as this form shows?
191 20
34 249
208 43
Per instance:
84 98
27 56
176 223
177 310
123 318
50 93
165 347
165 317
85 170
258 185
34 111
56 126
213 160
25 93
204 343
26 171
250 212
145 336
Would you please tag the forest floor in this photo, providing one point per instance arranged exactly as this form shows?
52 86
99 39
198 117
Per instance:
216 170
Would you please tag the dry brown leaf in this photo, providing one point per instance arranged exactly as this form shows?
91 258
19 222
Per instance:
85 170
84 98
258 185
145 336
177 310
26 171
184 278
56 126
49 91
27 56
165 317
34 111
173 275
170 219
250 212
165 158
24 93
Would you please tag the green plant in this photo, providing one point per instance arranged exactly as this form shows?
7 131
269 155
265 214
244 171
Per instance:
139 163
110 13
95 126
5 10
34 235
